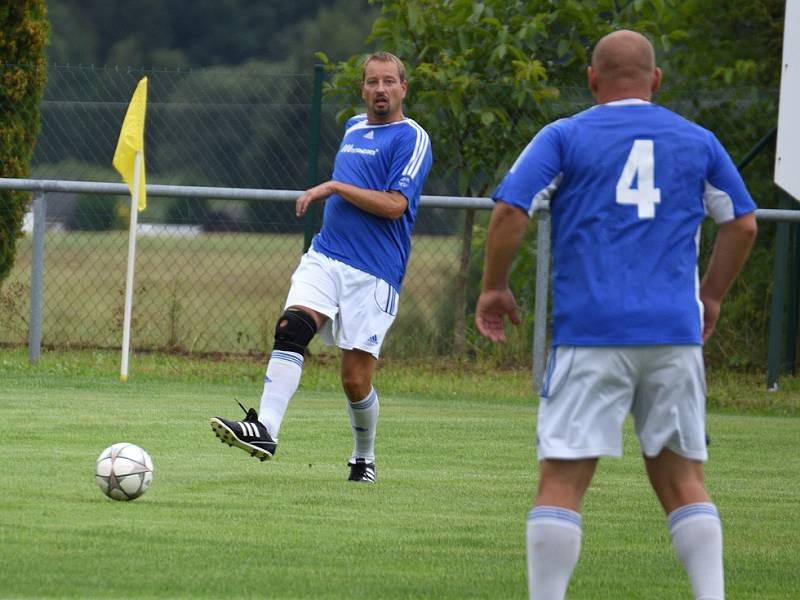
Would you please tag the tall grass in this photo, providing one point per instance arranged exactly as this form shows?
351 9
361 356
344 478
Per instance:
213 293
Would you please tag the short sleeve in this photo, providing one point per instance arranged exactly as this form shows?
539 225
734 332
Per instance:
411 160
533 178
725 194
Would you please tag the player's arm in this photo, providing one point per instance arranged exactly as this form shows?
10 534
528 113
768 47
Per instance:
534 175
506 230
730 205
389 205
411 160
731 248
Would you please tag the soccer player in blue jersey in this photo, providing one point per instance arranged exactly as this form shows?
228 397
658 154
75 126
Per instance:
627 183
347 285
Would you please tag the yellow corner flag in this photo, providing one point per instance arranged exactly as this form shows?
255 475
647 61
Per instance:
131 141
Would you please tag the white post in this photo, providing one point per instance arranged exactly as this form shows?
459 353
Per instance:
37 278
126 325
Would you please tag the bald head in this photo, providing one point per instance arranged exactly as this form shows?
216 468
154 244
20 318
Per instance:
623 66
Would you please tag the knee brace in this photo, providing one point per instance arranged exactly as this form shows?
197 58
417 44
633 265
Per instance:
294 331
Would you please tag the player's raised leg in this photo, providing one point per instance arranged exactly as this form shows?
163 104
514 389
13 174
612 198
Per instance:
259 435
295 329
363 408
693 520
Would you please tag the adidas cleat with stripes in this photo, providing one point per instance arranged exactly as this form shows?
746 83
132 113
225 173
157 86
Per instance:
362 471
250 434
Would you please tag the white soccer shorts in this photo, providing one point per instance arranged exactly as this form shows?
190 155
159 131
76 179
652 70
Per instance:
588 392
360 307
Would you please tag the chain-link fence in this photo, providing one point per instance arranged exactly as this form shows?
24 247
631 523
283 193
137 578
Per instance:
211 274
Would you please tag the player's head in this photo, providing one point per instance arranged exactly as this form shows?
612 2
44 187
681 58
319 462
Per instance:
623 66
384 87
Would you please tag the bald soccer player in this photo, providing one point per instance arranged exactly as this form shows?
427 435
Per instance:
628 184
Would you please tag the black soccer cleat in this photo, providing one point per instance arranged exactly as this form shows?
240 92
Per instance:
250 435
362 471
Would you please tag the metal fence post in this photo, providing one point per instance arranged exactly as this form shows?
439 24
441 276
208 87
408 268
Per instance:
778 293
540 302
313 153
790 351
37 277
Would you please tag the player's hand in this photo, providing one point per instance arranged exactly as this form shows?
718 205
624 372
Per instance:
711 310
493 306
319 192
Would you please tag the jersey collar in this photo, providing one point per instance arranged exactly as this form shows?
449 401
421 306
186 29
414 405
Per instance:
626 102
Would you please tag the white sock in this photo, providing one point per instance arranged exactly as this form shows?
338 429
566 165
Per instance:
364 420
280 383
553 544
696 534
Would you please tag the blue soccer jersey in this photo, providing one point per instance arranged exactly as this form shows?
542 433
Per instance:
396 156
628 185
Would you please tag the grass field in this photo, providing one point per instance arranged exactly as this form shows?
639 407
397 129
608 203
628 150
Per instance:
456 471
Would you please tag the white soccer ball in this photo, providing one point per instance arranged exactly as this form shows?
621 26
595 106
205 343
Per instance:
124 471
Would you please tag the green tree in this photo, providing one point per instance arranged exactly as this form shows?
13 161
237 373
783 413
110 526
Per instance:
340 28
737 43
23 35
197 33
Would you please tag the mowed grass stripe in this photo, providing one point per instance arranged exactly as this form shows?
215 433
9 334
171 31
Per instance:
446 520
294 525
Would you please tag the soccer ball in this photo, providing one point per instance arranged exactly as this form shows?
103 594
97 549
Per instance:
124 471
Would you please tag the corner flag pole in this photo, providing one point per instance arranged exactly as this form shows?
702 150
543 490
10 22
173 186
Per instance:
129 162
126 325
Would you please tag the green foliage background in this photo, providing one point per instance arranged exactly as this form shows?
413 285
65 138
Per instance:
181 34
23 35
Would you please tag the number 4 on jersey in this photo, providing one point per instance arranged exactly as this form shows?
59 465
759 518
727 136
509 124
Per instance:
639 168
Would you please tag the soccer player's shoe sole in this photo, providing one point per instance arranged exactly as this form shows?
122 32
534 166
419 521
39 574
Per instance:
249 435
